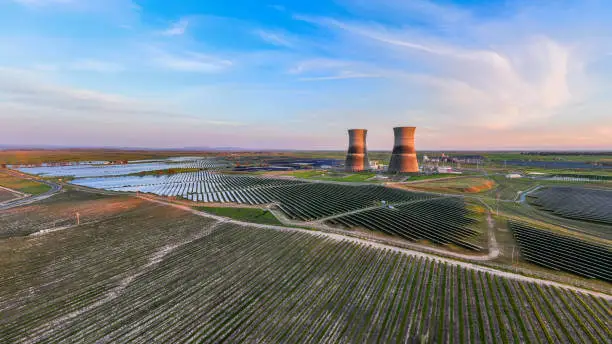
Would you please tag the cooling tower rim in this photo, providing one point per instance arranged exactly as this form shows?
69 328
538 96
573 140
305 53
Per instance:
397 128
357 130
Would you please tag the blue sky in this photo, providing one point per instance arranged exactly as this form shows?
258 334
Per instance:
296 74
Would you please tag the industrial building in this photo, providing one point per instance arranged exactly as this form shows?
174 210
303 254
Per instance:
403 158
357 155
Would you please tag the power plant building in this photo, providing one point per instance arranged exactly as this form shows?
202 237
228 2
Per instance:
403 158
357 155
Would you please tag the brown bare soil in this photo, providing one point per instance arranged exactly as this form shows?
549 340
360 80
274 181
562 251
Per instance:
487 185
60 210
6 195
127 233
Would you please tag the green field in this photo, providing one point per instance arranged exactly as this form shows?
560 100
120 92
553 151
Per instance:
23 185
431 176
334 176
254 215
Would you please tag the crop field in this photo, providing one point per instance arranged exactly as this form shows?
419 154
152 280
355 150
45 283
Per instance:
100 170
22 185
60 211
158 274
562 252
575 203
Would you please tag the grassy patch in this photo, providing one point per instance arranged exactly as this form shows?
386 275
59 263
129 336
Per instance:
23 185
334 176
35 189
431 176
254 215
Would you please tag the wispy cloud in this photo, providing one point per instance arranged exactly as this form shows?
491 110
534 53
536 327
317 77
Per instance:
319 64
27 92
502 76
177 29
381 34
497 86
330 69
191 62
274 38
341 76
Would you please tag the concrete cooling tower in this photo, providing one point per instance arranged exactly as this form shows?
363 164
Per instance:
357 155
403 158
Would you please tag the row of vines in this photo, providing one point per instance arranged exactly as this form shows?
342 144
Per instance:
240 284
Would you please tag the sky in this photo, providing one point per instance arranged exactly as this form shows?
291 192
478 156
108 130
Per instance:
258 74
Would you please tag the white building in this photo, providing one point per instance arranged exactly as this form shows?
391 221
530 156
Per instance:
376 165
